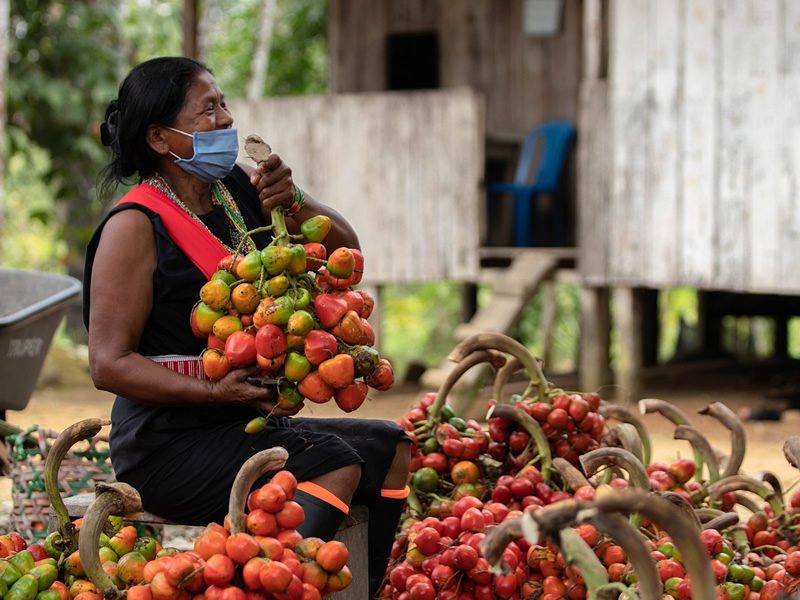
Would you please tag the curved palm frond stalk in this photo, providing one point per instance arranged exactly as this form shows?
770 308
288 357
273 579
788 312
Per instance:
547 521
728 418
253 468
624 435
610 410
111 499
463 365
503 343
678 417
73 434
699 444
572 477
602 458
502 376
527 422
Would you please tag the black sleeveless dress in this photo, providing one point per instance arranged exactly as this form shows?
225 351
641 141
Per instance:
183 460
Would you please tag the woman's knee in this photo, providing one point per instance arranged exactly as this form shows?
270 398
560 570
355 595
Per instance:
398 471
341 482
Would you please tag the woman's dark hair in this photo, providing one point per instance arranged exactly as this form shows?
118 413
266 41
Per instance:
153 93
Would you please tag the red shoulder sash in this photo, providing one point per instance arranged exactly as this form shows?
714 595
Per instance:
196 242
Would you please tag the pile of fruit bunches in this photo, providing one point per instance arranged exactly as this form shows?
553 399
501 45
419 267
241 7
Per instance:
269 560
538 457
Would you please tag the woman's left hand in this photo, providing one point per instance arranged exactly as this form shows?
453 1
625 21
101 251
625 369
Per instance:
273 180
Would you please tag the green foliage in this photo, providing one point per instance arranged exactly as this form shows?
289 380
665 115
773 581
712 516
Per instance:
28 210
151 28
298 53
563 350
62 71
418 322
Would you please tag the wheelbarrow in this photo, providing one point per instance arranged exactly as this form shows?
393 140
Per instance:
32 305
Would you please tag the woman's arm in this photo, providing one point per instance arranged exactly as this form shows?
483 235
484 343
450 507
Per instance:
121 300
273 180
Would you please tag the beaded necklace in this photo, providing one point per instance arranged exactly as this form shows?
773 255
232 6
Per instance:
219 196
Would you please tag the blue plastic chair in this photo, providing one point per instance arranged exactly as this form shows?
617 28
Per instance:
555 137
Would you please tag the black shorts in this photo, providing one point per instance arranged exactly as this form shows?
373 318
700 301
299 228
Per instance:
189 480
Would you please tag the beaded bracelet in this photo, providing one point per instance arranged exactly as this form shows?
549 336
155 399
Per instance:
298 203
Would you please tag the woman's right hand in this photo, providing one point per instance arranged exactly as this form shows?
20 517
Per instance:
234 387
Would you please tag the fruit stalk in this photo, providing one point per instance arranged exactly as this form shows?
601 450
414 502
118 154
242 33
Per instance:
632 542
465 363
700 444
572 477
66 439
601 458
620 413
497 341
530 425
678 417
624 435
253 468
111 499
728 418
504 373
577 552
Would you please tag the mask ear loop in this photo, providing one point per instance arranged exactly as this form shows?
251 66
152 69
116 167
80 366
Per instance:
187 135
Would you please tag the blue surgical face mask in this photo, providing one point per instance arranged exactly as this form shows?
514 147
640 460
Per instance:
215 153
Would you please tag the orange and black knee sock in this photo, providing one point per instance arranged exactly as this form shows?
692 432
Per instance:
384 514
324 511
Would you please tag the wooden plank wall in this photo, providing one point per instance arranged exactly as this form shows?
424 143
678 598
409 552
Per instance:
404 168
705 147
525 80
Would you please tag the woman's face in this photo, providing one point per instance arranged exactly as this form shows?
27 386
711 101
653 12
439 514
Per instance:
203 110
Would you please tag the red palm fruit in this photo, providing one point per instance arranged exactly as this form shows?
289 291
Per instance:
219 570
349 329
351 397
369 304
275 577
382 378
358 266
314 387
341 263
251 573
209 543
290 516
270 341
329 309
332 556
338 371
319 346
241 547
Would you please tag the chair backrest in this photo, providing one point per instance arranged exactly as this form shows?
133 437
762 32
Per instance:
555 137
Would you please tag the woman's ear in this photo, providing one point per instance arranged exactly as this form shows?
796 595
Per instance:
156 140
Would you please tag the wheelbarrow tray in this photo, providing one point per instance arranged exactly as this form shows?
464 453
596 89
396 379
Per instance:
32 305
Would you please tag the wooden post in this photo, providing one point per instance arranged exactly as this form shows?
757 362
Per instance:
628 307
548 319
469 301
781 349
710 324
651 327
594 338
190 21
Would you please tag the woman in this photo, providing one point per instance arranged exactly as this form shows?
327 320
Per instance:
177 439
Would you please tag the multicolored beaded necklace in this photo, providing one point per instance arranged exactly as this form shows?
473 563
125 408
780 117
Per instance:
219 196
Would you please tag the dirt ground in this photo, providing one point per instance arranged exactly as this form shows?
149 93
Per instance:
65 395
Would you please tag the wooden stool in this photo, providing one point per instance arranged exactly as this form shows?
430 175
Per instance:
352 532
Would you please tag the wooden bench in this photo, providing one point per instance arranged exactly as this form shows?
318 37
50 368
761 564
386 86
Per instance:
352 532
